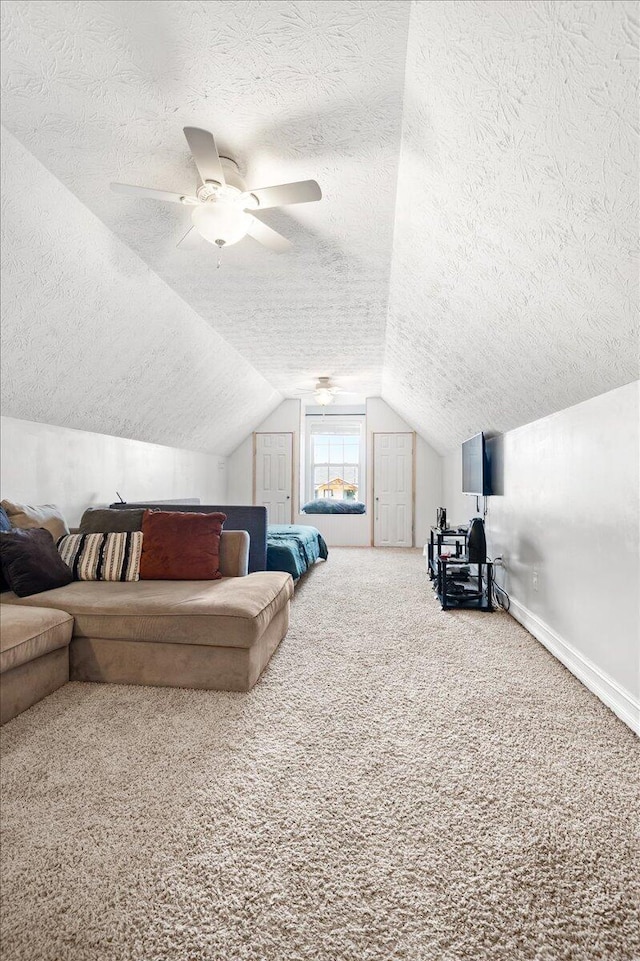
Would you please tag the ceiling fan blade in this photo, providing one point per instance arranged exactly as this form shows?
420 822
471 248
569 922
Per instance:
153 194
268 237
302 192
205 153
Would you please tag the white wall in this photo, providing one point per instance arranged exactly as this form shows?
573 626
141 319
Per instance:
76 469
286 419
345 530
570 512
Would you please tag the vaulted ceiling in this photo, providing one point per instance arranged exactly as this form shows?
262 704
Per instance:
470 260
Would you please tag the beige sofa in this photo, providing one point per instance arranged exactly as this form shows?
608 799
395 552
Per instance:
34 656
217 635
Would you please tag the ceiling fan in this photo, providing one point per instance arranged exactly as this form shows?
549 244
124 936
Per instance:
324 392
224 210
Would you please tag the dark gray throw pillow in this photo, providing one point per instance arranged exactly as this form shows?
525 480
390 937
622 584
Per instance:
31 563
105 520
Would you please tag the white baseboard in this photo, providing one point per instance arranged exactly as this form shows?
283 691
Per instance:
609 691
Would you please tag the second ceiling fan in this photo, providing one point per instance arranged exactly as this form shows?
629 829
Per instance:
224 210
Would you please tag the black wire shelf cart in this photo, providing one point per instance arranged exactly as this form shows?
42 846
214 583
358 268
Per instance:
459 585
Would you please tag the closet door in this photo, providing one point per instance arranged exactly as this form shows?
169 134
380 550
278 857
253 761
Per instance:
272 487
393 490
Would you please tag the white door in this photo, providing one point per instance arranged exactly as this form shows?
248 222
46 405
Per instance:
272 488
393 490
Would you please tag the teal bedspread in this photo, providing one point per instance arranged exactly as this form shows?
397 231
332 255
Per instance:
294 548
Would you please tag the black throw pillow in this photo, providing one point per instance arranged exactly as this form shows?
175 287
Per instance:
5 525
31 563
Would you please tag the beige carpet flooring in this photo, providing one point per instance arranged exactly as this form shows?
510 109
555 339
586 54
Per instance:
401 784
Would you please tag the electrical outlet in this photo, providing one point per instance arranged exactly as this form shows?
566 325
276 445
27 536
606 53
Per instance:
534 580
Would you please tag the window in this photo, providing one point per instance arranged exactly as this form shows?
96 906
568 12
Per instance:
335 462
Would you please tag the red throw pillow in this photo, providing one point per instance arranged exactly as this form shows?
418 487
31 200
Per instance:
181 546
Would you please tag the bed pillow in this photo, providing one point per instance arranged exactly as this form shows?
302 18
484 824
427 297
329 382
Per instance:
326 505
102 557
30 562
26 517
180 546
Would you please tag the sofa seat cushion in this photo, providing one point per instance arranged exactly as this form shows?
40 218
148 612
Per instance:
231 612
29 632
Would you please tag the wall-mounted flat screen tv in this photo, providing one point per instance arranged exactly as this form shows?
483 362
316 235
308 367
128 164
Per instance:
476 473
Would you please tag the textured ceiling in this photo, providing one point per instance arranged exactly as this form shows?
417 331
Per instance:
514 287
102 344
100 91
496 287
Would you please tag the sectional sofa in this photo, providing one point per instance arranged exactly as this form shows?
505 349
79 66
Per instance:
216 635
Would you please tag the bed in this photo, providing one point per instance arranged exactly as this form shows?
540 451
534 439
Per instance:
294 548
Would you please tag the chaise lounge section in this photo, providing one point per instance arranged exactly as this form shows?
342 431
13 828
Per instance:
213 635
34 656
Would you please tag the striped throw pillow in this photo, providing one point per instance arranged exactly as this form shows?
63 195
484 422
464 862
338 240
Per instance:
102 557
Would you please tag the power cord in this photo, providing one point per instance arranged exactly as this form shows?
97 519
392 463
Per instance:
499 596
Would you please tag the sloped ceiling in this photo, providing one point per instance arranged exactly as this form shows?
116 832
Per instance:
102 343
495 289
100 91
514 287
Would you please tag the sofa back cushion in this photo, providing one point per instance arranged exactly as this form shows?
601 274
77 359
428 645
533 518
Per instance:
30 562
27 517
102 557
99 520
252 519
180 546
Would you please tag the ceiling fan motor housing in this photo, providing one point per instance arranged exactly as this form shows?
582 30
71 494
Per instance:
232 188
232 174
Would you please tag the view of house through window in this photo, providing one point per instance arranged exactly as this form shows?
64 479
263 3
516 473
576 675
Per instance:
335 459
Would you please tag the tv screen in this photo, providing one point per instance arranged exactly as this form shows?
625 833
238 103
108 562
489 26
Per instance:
475 467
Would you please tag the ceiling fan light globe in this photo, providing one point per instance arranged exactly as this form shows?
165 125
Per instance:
323 397
221 223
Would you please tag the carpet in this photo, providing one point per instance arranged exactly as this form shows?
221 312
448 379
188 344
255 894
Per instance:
402 783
